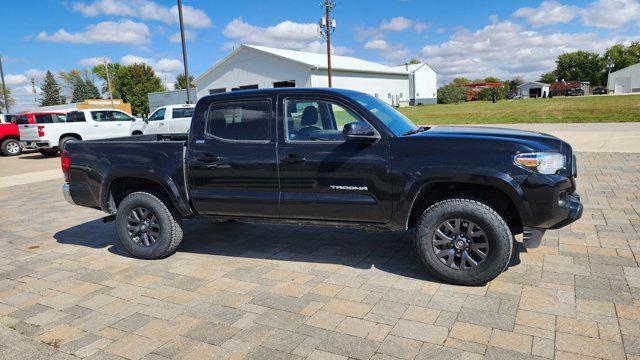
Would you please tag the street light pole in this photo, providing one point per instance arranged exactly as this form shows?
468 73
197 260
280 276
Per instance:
327 26
4 88
184 54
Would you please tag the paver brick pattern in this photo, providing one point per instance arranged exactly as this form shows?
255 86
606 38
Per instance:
234 290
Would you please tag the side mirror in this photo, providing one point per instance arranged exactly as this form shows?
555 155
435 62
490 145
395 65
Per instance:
359 131
146 120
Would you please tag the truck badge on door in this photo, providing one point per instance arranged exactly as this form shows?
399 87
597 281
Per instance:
347 187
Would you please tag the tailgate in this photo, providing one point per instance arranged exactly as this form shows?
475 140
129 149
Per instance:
29 132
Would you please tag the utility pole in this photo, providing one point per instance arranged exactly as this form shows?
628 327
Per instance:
184 54
106 68
327 26
33 88
4 88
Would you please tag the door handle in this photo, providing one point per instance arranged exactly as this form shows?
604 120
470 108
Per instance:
96 125
294 158
208 158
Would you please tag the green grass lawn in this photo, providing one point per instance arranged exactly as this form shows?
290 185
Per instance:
557 110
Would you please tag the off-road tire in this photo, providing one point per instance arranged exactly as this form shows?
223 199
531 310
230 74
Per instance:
497 232
8 145
65 140
48 152
169 223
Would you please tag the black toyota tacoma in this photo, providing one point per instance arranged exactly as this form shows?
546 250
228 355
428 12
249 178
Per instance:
332 157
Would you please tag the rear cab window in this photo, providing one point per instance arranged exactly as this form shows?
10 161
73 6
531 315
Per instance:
241 120
182 113
76 116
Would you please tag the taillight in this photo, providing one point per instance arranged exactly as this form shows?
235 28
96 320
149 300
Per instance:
65 161
41 130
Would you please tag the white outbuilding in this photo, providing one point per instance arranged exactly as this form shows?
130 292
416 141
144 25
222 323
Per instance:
258 67
625 81
422 83
533 89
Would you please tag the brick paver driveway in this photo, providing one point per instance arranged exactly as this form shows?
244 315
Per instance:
67 289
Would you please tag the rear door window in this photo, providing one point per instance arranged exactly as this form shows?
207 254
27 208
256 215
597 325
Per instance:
247 120
76 116
182 113
45 119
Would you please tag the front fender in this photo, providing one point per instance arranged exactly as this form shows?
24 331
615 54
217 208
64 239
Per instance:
422 181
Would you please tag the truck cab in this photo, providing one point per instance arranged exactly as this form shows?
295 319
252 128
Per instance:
165 120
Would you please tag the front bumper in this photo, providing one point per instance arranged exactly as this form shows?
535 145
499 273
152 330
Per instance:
574 210
66 192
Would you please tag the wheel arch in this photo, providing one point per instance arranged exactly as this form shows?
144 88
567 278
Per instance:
495 192
73 135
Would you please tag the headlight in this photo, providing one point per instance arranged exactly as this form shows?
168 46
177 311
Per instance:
542 162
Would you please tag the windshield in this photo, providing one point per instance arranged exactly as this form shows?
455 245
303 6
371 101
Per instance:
394 120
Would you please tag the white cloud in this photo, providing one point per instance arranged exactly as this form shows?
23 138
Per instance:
15 79
363 33
146 10
286 35
188 35
377 44
321 47
117 32
390 53
611 13
548 13
420 27
398 23
93 61
441 30
506 49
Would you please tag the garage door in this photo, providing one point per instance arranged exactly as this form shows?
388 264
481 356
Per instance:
623 85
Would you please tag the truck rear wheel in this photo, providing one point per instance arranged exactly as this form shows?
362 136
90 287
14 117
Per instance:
463 241
11 147
48 152
148 226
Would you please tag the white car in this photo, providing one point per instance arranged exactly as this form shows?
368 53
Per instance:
88 124
168 119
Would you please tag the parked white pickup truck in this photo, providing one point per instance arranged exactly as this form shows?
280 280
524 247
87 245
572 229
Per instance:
168 119
89 124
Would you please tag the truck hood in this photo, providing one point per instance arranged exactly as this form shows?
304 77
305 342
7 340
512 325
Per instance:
494 133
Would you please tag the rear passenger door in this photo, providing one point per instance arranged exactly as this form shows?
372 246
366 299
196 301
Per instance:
233 169
180 119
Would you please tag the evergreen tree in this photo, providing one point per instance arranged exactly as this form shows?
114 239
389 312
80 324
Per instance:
92 90
50 91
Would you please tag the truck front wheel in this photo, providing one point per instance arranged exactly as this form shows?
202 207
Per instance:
463 241
148 226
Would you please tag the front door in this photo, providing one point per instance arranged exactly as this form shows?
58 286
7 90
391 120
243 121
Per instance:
233 168
153 123
324 177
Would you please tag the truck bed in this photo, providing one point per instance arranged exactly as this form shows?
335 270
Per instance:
95 166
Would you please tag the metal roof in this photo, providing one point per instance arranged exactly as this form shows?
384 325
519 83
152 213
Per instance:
314 60
534 83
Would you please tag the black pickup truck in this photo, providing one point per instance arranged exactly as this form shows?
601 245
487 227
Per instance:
332 157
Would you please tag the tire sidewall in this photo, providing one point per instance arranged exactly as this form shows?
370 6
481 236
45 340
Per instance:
498 235
5 147
155 205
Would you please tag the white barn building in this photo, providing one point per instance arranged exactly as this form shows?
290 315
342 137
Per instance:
422 83
625 81
258 67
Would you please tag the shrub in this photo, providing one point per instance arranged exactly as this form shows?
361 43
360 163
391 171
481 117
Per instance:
451 94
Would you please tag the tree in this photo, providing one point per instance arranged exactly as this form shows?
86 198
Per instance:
10 99
461 81
492 79
80 84
548 77
621 56
580 65
451 94
180 83
100 72
511 86
134 82
51 91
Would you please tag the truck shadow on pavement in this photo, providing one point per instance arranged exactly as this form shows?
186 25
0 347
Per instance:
391 252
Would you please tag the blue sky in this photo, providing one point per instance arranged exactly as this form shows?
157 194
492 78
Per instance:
458 38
